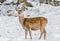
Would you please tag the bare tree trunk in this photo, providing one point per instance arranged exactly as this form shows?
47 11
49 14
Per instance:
40 1
52 2
2 1
49 1
25 0
19 1
45 1
23 6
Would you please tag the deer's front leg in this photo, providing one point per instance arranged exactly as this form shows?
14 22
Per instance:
26 32
30 33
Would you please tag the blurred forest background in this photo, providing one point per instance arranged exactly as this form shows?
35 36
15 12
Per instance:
52 2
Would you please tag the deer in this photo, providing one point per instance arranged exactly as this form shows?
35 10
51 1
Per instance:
32 24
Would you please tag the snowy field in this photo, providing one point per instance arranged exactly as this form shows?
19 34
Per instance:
11 29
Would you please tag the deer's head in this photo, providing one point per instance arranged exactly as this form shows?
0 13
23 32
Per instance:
19 11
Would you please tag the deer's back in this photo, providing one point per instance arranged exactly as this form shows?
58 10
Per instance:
35 23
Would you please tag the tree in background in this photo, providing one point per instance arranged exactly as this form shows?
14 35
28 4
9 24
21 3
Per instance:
2 1
56 2
52 2
26 3
42 1
20 1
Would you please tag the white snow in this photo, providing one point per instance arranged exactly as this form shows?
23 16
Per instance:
9 1
11 29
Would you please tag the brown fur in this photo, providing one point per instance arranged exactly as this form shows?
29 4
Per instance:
35 23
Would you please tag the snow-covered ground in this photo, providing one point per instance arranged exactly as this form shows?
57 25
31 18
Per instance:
11 29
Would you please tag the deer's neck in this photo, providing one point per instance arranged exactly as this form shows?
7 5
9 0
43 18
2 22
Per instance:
21 19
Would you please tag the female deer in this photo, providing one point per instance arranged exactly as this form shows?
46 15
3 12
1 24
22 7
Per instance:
30 24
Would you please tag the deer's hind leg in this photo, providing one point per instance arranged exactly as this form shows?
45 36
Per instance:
44 34
43 31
